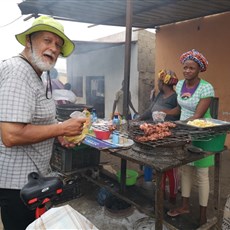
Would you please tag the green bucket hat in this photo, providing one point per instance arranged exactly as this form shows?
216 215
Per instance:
46 23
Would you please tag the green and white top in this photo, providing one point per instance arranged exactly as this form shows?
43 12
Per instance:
188 104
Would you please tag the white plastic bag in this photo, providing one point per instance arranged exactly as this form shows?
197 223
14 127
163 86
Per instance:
158 116
77 114
226 216
64 217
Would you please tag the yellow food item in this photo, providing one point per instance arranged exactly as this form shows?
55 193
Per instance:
201 123
77 139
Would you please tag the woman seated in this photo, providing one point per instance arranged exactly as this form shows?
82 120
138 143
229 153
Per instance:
166 100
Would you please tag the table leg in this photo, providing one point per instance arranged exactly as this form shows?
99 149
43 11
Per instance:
123 175
159 201
217 188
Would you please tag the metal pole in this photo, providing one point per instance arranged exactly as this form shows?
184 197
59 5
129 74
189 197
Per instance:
128 38
129 6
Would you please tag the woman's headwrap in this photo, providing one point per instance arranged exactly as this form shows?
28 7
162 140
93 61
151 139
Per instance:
168 77
196 57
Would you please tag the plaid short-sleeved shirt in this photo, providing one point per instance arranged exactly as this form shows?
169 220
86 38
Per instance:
23 100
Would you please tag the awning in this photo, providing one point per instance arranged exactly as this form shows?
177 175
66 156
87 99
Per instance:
146 13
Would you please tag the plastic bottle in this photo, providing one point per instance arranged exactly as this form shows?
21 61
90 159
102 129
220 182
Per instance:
116 122
123 124
115 137
94 116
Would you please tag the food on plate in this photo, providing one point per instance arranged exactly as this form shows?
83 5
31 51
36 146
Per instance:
155 132
201 123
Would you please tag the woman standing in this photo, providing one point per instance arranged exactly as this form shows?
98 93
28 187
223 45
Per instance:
194 97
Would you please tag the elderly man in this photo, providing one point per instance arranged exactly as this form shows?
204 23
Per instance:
27 116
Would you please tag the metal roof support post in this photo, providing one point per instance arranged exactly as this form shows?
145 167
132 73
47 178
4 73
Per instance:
128 38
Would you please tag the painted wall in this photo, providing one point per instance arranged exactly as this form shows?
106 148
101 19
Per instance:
209 35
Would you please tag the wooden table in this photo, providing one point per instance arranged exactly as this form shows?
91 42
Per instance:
161 160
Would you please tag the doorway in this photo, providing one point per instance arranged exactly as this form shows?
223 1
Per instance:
95 91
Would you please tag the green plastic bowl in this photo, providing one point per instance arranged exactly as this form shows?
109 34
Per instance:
131 177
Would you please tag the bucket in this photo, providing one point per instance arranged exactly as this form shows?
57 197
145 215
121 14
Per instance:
148 173
116 207
131 177
147 223
211 144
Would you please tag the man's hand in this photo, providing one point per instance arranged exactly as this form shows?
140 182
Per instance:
65 143
72 126
16 134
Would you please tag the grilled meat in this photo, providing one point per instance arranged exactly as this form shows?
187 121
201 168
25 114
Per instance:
153 132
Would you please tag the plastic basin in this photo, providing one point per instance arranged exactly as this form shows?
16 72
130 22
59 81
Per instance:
131 177
211 144
102 135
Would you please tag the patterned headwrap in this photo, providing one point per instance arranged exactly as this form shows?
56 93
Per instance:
168 77
196 57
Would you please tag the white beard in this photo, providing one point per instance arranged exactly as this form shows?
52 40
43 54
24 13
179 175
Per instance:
39 63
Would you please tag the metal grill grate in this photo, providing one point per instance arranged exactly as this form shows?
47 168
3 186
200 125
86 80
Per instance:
177 138
181 135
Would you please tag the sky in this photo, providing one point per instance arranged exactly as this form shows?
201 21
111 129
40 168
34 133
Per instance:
12 22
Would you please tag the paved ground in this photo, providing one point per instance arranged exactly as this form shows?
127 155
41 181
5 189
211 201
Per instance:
88 205
87 202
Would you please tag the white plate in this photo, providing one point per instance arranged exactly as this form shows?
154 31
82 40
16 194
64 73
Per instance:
127 144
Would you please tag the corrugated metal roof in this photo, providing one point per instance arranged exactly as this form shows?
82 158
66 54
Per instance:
146 13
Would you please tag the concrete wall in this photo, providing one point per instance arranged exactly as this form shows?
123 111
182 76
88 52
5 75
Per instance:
209 35
146 67
109 63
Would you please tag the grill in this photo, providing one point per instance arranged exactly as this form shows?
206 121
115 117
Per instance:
181 135
177 138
